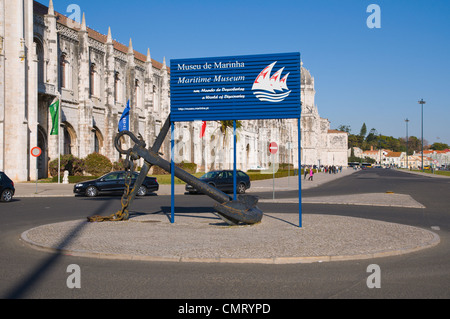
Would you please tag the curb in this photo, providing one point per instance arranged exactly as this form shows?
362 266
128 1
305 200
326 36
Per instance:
42 196
229 260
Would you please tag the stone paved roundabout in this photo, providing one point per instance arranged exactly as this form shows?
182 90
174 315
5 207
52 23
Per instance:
374 199
205 238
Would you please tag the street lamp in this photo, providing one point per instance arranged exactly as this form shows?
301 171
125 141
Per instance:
422 102
407 138
379 146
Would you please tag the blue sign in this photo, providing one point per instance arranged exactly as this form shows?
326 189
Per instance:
236 88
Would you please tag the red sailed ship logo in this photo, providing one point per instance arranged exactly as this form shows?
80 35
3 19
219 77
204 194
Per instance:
271 88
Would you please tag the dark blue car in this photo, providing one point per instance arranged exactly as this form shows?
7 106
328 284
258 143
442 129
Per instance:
114 183
7 189
223 180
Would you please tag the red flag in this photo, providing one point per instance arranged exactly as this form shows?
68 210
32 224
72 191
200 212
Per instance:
202 133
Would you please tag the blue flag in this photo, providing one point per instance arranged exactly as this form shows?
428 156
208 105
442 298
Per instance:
124 123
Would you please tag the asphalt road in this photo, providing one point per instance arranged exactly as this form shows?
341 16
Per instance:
32 274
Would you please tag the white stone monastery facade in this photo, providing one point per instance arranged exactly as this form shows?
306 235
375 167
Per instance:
45 55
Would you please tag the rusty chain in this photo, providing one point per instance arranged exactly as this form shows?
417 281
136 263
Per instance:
123 214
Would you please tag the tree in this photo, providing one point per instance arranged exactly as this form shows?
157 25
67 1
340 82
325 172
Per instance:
387 142
225 129
70 163
97 164
439 146
414 144
363 131
394 144
226 126
344 128
353 141
372 138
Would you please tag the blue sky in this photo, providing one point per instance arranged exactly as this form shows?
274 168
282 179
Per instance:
362 75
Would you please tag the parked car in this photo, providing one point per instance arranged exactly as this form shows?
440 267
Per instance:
114 183
223 180
7 189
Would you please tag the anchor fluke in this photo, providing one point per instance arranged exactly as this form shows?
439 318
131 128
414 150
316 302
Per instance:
243 211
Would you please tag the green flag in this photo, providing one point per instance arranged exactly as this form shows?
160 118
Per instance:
54 111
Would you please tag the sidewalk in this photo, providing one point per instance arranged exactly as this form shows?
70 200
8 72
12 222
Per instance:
291 183
423 174
28 190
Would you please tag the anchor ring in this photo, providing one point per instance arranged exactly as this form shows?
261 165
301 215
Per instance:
139 141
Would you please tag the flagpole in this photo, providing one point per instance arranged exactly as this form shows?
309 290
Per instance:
59 138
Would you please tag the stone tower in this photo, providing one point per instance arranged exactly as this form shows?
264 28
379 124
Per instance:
18 92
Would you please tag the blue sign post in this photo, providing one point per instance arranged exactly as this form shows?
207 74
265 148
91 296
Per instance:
251 87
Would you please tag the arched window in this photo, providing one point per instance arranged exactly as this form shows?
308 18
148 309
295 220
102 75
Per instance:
42 160
65 72
98 140
137 93
67 142
70 138
117 88
96 144
92 79
40 57
156 107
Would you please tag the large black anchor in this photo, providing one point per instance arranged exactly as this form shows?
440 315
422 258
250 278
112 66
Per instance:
233 212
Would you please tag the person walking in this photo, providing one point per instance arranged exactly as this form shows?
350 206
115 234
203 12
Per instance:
305 173
311 174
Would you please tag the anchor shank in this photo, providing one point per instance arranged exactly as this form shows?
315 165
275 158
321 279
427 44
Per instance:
153 159
162 136
233 212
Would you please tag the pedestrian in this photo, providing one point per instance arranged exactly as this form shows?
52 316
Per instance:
305 173
311 174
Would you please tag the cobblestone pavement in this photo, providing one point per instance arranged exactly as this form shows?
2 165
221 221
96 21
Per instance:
373 199
205 238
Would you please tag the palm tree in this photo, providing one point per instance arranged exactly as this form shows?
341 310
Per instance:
224 128
225 125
